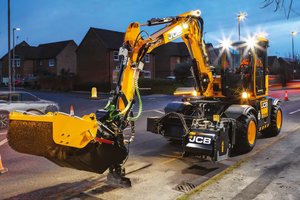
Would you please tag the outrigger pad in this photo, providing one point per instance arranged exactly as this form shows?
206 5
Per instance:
35 138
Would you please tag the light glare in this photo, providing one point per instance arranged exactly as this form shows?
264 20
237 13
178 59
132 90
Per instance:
251 42
245 95
226 43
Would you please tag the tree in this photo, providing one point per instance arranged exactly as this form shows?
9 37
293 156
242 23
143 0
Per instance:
285 5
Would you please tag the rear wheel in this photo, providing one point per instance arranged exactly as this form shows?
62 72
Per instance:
245 134
276 122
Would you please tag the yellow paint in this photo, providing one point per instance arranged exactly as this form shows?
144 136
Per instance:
193 133
216 118
222 147
67 130
251 132
279 119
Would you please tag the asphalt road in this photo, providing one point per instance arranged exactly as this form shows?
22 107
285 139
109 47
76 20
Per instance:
155 165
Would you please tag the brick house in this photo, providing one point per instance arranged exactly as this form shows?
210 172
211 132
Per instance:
273 65
49 58
97 58
169 55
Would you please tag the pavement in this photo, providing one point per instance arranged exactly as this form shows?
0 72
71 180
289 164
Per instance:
270 174
155 165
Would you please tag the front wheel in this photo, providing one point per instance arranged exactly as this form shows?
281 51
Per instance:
245 134
276 122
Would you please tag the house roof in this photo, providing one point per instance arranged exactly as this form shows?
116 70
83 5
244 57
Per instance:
51 50
43 51
110 39
283 61
271 60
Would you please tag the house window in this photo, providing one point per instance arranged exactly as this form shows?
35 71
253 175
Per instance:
51 62
16 62
41 63
147 58
147 74
116 56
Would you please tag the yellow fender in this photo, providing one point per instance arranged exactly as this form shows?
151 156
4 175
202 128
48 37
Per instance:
68 130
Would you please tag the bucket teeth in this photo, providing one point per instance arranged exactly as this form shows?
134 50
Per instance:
35 138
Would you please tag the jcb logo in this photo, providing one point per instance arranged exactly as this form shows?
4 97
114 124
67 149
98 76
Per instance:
174 34
264 109
200 140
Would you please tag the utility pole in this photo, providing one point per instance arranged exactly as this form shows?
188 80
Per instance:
14 60
293 53
9 57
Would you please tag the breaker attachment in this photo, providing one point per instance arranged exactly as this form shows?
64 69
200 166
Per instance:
66 140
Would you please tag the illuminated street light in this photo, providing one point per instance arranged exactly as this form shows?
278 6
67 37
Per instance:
226 43
14 61
294 33
241 17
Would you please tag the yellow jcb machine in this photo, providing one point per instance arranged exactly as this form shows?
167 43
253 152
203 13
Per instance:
229 105
95 142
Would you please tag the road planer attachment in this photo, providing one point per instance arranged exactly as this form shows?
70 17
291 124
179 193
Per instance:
66 140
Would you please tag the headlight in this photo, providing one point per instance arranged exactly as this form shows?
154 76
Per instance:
194 93
245 95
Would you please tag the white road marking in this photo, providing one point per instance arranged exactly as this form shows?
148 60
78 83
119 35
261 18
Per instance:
294 112
3 142
156 110
3 133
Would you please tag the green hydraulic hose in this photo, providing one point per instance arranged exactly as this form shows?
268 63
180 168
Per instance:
140 102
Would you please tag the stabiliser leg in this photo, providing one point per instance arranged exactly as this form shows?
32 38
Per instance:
116 177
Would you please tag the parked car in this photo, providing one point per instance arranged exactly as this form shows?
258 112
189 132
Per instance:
23 101
30 82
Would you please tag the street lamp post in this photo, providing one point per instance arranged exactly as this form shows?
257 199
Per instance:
14 61
241 17
294 33
9 56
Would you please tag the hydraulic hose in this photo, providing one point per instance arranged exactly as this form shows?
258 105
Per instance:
140 102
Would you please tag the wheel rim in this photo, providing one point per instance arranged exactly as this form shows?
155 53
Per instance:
279 119
251 132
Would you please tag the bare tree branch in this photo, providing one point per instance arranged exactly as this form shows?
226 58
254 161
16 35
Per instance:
285 5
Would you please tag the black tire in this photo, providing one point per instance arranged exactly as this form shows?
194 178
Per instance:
274 128
34 111
51 109
4 119
245 141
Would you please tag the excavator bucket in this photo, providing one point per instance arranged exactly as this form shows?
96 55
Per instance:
66 140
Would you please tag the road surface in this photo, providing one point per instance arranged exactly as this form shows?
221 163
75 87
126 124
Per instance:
155 165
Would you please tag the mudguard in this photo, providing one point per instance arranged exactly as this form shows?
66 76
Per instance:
235 111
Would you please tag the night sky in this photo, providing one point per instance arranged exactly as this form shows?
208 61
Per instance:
44 21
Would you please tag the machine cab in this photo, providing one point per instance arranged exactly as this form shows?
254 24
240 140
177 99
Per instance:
243 69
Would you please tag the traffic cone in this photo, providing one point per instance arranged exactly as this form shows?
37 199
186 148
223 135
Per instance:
72 110
286 96
2 169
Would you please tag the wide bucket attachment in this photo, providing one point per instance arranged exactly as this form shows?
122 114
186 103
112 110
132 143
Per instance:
65 140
